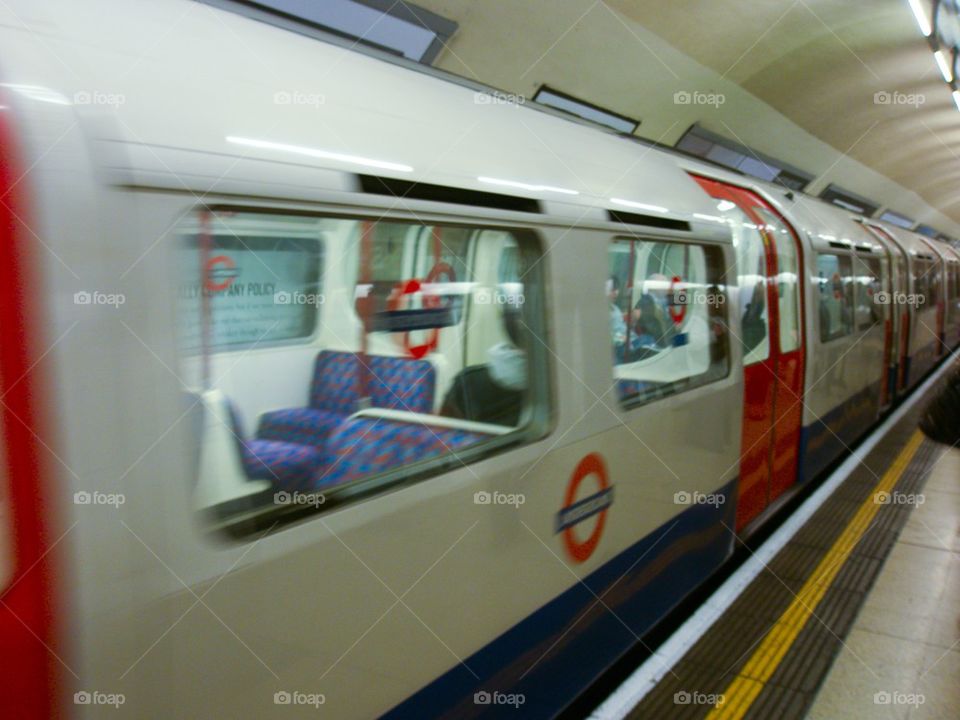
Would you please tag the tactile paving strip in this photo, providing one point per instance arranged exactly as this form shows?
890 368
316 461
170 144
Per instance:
714 661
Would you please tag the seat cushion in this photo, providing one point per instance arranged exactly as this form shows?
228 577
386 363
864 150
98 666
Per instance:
365 446
306 426
336 382
289 466
401 383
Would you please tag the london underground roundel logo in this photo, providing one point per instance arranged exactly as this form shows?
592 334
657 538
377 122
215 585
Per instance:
220 273
594 500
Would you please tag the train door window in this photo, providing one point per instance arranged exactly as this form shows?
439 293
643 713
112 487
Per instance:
834 281
751 293
954 280
666 306
375 352
788 279
936 282
867 311
921 282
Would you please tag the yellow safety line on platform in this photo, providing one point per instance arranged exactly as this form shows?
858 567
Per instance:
743 691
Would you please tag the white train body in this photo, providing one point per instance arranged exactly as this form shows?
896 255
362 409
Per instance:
149 135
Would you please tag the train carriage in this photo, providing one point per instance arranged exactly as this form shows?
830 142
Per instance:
395 399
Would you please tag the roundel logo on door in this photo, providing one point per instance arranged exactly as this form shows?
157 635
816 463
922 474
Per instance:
584 512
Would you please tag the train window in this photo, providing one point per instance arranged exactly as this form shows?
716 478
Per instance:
867 286
420 351
751 269
666 306
788 288
936 277
921 281
836 316
953 301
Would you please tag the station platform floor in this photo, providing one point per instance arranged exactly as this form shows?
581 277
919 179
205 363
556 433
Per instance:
857 615
901 658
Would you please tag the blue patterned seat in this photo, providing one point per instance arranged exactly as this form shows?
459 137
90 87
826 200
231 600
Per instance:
364 446
401 384
289 466
629 389
392 382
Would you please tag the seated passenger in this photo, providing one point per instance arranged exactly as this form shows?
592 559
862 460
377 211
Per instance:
618 326
492 393
651 317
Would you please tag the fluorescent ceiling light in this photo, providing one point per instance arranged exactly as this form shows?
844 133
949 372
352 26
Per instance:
943 65
921 15
526 186
639 206
956 98
323 154
38 92
711 218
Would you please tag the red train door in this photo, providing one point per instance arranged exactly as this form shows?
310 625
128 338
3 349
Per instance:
769 272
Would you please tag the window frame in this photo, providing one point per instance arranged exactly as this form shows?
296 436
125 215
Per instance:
248 515
846 283
716 371
871 262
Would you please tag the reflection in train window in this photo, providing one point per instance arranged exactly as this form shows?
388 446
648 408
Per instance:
330 358
751 291
868 311
788 277
923 283
666 306
834 280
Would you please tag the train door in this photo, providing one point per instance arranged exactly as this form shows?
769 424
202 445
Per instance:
770 307
898 311
938 284
887 314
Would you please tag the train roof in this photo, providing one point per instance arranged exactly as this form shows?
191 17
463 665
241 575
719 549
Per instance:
313 117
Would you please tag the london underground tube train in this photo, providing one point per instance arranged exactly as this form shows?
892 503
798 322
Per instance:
330 385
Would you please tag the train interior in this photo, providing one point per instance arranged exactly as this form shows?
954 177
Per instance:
325 350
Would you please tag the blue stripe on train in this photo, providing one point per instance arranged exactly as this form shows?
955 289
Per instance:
826 439
554 653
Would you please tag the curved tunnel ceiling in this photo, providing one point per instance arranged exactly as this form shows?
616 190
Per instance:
820 63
